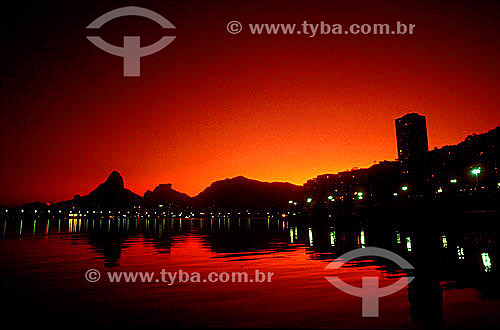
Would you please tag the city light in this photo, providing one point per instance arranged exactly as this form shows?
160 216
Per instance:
476 171
290 202
444 240
408 244
332 238
360 195
486 261
330 198
460 253
398 238
453 181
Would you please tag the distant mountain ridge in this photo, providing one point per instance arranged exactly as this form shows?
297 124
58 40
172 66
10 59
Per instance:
235 193
164 194
243 193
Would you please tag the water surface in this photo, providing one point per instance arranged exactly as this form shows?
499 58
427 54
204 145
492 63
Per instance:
44 261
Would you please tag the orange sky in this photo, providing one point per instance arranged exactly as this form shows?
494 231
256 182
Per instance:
214 105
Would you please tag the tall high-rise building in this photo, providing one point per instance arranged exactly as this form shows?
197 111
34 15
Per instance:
411 133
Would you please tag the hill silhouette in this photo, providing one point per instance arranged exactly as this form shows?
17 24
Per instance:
110 194
235 193
164 194
243 193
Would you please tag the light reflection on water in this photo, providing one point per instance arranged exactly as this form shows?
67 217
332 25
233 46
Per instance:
48 258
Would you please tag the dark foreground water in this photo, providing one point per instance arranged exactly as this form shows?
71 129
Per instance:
44 262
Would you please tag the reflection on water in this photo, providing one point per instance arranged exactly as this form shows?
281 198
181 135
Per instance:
453 268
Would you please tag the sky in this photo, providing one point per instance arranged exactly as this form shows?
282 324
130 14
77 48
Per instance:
214 105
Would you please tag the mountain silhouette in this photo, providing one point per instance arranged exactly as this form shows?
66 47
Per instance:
236 193
244 193
164 194
110 194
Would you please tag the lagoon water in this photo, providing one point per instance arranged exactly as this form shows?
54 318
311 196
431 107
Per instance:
44 263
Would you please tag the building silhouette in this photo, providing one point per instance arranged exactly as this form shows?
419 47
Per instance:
411 134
